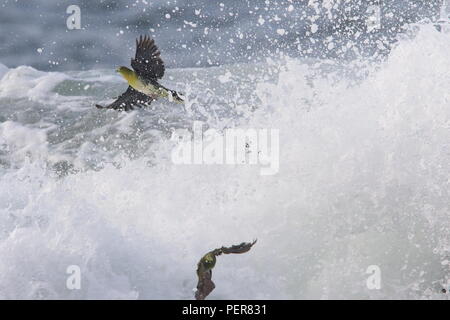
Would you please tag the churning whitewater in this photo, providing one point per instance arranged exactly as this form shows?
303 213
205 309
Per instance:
363 180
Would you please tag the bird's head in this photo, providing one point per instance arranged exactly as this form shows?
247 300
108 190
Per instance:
208 261
177 97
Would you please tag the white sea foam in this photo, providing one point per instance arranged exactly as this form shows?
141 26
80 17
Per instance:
28 82
22 142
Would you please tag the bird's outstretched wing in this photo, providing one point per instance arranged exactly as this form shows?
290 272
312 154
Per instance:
128 101
147 63
240 248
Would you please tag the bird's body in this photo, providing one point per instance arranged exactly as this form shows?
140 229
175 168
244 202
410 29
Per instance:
143 79
151 88
205 284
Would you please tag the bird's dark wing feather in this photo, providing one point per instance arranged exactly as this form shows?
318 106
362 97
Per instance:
147 62
128 100
240 248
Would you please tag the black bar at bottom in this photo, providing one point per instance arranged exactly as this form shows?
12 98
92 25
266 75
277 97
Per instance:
224 309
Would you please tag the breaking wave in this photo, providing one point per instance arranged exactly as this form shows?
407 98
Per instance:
363 180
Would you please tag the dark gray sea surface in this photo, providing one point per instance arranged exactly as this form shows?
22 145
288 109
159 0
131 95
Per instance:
200 32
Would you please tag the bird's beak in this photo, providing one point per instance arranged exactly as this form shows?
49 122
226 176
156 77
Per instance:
117 69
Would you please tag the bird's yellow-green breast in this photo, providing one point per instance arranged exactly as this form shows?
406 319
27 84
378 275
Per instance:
134 81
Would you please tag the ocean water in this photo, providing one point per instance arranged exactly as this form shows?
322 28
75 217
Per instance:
199 33
363 179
